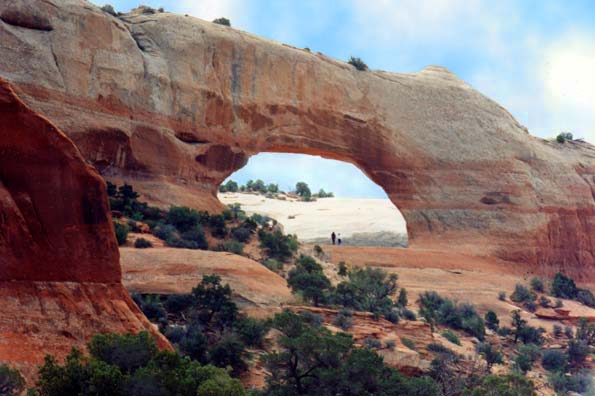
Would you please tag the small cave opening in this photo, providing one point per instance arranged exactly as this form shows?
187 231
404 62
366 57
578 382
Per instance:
314 197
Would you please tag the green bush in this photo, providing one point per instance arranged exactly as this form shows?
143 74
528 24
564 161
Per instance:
123 365
278 246
222 21
564 287
230 186
586 297
196 235
491 320
439 349
502 296
241 234
252 331
273 265
526 357
372 343
163 231
553 360
217 225
564 136
234 247
409 343
183 218
308 279
121 233
452 337
367 289
557 330
402 299
344 319
522 294
491 356
142 243
342 269
544 302
408 314
578 350
11 381
228 352
537 284
508 385
357 63
303 190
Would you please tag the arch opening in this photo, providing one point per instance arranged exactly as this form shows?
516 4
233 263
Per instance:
358 210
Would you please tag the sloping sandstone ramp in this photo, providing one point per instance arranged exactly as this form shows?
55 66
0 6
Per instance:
174 104
59 268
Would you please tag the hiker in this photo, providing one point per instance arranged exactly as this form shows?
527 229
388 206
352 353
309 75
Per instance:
333 237
339 240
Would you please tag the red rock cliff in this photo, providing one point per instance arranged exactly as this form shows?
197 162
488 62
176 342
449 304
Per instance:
175 104
59 262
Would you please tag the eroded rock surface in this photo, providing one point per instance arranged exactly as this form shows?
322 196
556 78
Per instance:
175 104
59 268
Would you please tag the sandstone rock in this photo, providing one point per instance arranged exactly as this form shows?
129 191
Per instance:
175 104
177 271
59 269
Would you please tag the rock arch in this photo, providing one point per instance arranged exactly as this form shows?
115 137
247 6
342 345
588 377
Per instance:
177 104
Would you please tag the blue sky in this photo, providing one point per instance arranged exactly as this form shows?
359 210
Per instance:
536 58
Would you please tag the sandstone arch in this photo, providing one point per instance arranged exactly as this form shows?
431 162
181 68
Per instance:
177 104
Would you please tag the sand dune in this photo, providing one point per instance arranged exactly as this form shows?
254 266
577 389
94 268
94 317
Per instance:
360 221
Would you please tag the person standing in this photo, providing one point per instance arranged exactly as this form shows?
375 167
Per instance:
339 240
333 237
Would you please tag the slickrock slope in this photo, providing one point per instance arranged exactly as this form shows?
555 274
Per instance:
175 104
171 270
59 269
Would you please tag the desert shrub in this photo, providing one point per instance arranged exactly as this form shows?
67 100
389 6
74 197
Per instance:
585 297
142 243
530 306
181 243
241 234
564 136
523 332
578 350
357 63
367 289
222 21
408 314
553 360
183 218
491 320
163 231
174 334
491 355
128 364
110 10
585 331
439 349
344 319
273 265
527 355
503 331
230 186
276 245
409 343
196 235
439 310
342 269
502 296
312 318
11 381
259 219
537 284
252 331
372 343
324 194
273 188
121 231
153 309
133 226
217 226
557 330
452 337
564 287
402 299
390 344
508 385
228 352
392 315
176 303
213 303
234 247
522 294
308 279
580 382
559 303
303 190
544 302
318 250
568 332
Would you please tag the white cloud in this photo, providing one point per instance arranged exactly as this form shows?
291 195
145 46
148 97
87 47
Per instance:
568 78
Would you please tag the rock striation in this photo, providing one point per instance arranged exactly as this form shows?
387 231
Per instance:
59 262
175 104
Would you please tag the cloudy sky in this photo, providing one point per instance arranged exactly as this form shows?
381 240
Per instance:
536 58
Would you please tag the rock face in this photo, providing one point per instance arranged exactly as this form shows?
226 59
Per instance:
175 104
59 268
